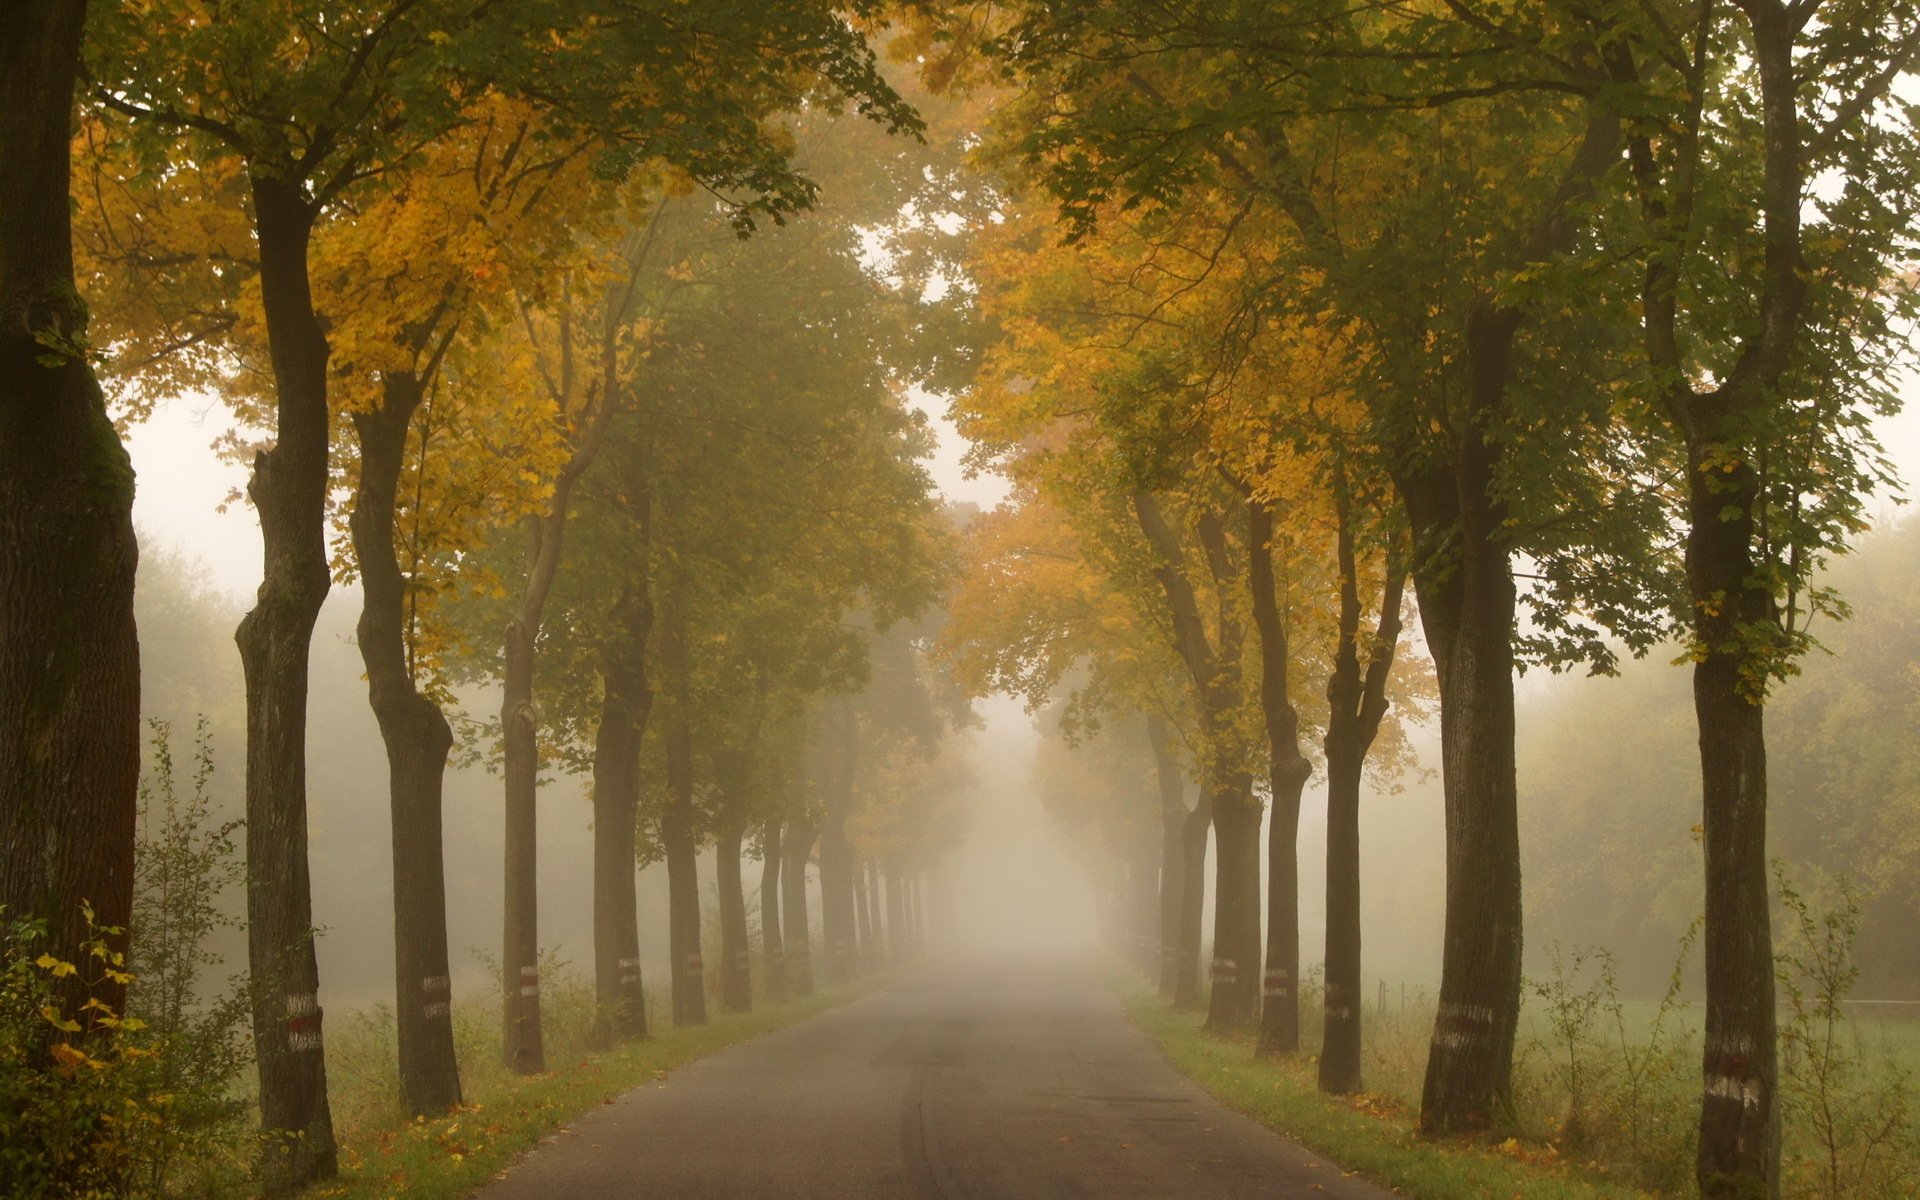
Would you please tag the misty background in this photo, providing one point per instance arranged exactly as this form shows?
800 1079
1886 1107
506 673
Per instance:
1608 775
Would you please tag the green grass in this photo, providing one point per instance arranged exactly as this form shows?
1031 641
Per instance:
382 1154
1852 1134
1372 1134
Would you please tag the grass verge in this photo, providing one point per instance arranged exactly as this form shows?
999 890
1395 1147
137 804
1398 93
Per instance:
506 1116
1373 1135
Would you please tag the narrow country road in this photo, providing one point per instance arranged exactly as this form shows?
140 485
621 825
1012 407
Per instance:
965 1080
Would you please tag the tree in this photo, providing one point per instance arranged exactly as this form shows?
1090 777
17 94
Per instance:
1382 118
69 659
1764 313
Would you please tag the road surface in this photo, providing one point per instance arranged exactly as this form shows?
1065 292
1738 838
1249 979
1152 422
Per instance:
964 1081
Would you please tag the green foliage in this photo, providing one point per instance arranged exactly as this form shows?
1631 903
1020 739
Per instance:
186 867
71 1092
139 1103
1854 1129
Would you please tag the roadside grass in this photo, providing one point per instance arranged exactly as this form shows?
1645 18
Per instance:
1372 1133
1603 1107
385 1154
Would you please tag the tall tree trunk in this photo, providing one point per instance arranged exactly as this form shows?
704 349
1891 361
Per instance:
1464 578
1234 1001
1213 666
289 490
1356 703
683 880
1173 825
1187 992
896 903
862 913
797 936
1143 893
877 917
626 702
418 740
1287 774
523 1044
69 657
836 852
523 1048
770 939
736 989
1739 1152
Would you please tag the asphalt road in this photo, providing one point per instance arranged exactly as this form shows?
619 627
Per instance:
966 1080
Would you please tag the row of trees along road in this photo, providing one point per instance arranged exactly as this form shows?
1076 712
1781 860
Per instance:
1570 315
478 270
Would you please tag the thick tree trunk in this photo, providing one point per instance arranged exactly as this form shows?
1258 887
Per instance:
69 657
289 490
1739 1152
797 932
1356 704
626 702
1465 583
736 988
523 1048
1340 1043
683 881
770 939
1173 825
1234 1001
418 740
1287 774
1188 992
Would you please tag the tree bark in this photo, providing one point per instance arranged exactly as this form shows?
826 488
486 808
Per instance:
797 936
1463 575
69 655
523 1048
877 919
770 939
736 990
1143 893
1187 991
1173 826
1287 774
683 880
1356 704
836 852
862 914
625 705
418 740
523 1043
1233 1001
289 490
1739 1152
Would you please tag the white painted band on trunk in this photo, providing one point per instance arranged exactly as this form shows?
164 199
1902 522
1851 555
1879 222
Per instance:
435 983
306 1041
529 972
302 1005
627 964
529 990
1745 1092
436 1010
